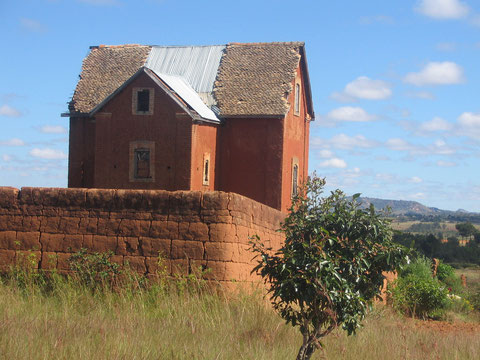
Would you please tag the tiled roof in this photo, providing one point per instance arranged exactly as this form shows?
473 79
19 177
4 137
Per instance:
252 79
255 78
104 70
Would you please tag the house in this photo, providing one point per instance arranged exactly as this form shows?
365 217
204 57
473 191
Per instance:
229 117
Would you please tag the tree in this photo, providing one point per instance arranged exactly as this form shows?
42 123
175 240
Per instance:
331 265
466 229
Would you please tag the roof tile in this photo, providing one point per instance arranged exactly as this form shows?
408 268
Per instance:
104 70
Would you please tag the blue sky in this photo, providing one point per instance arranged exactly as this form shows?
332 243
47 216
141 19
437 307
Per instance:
396 84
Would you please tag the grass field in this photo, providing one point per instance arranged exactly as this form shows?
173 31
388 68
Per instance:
184 322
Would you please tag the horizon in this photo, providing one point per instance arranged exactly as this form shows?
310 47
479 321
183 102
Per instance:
395 86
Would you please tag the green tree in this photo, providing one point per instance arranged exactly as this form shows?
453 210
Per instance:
466 229
331 265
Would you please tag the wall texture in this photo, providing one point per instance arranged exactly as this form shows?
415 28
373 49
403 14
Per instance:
208 229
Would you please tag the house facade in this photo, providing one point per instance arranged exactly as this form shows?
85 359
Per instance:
233 118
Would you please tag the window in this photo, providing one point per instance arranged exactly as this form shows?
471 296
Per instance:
142 164
206 169
295 180
142 101
297 99
142 161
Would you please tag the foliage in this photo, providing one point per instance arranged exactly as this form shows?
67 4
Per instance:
449 252
421 267
94 271
331 264
416 295
474 298
466 229
444 271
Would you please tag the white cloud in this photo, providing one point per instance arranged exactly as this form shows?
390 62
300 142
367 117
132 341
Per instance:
385 177
334 163
443 9
421 95
53 129
438 147
47 153
6 158
437 73
418 196
364 88
32 25
446 163
350 113
346 142
9 111
469 125
398 144
415 180
436 124
13 142
325 154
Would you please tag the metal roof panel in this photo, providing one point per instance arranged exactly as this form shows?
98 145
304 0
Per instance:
198 65
188 94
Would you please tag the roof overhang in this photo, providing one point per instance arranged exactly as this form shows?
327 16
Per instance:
308 88
190 102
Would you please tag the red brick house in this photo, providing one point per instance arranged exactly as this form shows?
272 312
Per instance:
229 117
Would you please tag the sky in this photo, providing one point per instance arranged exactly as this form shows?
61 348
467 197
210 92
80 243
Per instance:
396 84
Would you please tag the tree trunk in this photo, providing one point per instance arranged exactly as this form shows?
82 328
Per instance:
306 351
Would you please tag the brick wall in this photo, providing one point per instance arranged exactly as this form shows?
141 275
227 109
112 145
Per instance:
209 229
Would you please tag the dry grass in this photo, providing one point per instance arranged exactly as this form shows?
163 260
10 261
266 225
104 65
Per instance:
72 323
472 274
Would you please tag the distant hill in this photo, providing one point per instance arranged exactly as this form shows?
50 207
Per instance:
413 210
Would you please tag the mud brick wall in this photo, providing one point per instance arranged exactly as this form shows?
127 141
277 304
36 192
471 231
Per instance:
189 228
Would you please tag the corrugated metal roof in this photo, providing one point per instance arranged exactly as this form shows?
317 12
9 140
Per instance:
198 65
188 94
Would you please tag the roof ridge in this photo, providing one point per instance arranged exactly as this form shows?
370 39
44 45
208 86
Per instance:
103 46
269 43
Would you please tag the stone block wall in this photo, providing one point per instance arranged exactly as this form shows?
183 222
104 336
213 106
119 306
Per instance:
188 228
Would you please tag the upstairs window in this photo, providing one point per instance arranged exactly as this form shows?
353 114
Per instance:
142 164
142 101
295 180
297 99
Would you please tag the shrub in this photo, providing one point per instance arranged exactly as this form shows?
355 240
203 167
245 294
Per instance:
94 271
444 271
474 298
420 296
421 267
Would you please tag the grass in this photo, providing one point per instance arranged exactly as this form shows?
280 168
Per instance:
63 319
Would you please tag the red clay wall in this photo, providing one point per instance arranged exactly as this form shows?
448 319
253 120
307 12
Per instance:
296 135
251 159
204 141
188 228
115 126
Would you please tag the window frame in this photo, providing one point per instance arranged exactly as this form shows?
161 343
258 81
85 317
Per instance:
134 147
295 179
206 170
297 98
135 94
